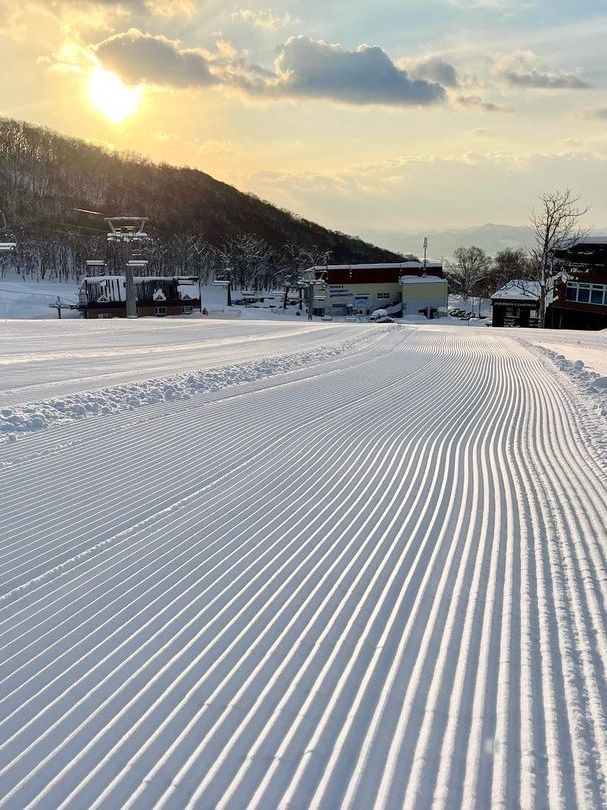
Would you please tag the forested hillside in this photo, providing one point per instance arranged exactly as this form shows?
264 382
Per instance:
196 221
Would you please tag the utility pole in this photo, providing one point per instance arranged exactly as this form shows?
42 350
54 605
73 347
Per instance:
57 305
425 262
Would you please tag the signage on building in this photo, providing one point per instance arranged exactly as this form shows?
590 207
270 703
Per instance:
339 291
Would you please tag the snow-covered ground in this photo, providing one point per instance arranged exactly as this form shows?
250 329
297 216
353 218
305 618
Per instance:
30 299
372 577
588 347
56 358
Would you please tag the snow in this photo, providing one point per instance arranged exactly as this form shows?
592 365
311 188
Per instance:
58 410
372 573
54 359
27 299
591 240
590 348
420 279
518 291
470 304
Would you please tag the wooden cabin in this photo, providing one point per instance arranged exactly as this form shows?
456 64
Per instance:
516 304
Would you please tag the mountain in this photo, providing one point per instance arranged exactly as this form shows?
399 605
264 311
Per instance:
44 176
490 237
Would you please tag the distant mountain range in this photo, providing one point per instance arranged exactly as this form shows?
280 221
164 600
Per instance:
441 244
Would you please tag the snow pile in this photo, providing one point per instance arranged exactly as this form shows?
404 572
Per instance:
48 413
592 383
518 290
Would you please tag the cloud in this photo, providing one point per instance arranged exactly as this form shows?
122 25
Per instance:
480 132
433 68
315 69
269 19
155 59
303 68
497 5
171 8
522 69
476 102
159 8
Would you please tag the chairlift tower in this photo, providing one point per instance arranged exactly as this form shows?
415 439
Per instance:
313 288
128 232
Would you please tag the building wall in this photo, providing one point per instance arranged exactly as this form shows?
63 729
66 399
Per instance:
515 312
417 296
117 311
361 274
581 302
366 297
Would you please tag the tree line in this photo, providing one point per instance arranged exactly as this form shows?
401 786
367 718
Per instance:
46 179
245 261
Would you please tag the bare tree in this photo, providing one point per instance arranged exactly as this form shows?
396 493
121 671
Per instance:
510 264
249 262
468 268
294 259
555 226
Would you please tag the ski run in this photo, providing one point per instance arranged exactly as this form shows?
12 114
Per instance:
369 572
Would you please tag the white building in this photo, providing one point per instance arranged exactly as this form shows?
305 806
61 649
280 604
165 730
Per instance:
363 288
424 295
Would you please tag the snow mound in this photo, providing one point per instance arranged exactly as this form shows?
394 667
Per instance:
48 413
591 383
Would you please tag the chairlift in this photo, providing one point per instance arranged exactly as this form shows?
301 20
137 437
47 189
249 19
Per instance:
95 267
220 282
127 227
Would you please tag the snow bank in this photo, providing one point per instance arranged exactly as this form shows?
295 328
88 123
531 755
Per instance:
48 413
590 382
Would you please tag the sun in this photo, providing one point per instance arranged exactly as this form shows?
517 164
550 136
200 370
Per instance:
111 96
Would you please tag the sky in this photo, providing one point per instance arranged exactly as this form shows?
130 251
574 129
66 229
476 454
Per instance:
365 116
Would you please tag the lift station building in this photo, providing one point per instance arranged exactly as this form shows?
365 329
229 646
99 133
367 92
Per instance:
419 287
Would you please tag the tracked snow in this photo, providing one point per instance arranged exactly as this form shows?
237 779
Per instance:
379 580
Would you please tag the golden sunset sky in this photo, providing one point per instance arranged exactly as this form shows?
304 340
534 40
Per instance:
364 116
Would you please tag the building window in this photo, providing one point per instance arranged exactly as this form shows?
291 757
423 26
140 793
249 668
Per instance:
186 310
160 311
383 295
104 315
587 293
583 293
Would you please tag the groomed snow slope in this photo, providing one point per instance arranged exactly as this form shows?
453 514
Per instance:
377 581
56 358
